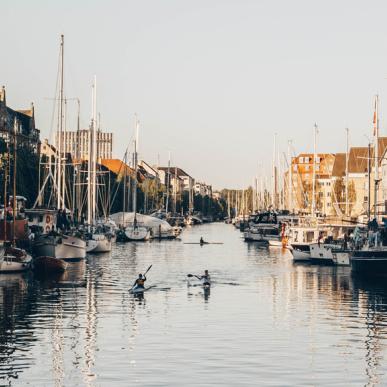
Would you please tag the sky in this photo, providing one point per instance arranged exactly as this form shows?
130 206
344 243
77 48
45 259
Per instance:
211 81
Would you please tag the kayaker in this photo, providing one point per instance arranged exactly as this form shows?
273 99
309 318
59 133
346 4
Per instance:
202 240
140 281
206 278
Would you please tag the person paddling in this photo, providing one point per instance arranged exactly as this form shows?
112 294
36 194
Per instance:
202 241
206 278
140 281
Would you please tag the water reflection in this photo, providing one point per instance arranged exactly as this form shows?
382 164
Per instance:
84 328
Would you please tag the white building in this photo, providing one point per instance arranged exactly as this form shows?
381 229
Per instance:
77 144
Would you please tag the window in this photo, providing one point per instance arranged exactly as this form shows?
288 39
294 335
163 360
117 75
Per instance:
317 167
301 160
295 168
329 194
306 167
306 159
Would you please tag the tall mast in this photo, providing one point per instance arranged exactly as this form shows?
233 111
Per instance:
314 171
376 154
64 152
290 178
94 153
168 179
175 192
346 174
273 191
15 125
60 203
135 162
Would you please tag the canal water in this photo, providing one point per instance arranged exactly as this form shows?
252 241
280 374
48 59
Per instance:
264 322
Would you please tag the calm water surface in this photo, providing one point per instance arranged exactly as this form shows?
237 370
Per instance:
266 321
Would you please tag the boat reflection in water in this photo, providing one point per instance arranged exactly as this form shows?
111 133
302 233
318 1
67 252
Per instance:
16 332
84 328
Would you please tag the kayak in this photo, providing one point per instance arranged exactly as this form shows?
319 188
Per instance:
203 243
205 283
139 289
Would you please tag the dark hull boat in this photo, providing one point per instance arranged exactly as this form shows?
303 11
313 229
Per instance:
48 265
369 262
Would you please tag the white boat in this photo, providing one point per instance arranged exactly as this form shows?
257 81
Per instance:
99 243
321 253
137 233
300 252
14 260
158 228
66 247
263 228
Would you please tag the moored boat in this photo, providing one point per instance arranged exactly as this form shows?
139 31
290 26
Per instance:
49 265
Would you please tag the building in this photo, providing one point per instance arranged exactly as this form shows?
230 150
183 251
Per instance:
203 189
21 121
186 181
76 143
169 176
299 199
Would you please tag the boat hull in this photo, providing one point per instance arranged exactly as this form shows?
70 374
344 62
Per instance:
301 253
99 244
137 233
369 263
48 265
68 248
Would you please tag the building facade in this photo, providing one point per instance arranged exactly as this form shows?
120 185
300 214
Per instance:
300 184
76 143
20 121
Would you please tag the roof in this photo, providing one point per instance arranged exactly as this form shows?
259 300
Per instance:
180 172
28 112
118 167
358 156
338 169
358 159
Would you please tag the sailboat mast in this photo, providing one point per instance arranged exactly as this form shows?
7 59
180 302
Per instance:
94 153
290 178
135 169
273 191
168 180
60 203
346 174
14 181
314 171
376 154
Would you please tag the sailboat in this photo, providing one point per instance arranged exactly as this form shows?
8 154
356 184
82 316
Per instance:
13 259
134 231
53 243
98 241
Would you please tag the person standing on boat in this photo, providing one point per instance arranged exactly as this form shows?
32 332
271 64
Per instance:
140 281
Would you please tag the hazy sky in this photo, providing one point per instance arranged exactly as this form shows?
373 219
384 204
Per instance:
211 80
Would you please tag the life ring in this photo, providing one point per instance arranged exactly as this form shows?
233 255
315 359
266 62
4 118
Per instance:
48 219
48 228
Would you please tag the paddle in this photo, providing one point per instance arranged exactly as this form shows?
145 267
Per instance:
193 275
148 269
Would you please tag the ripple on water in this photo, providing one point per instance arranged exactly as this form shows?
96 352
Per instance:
265 321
